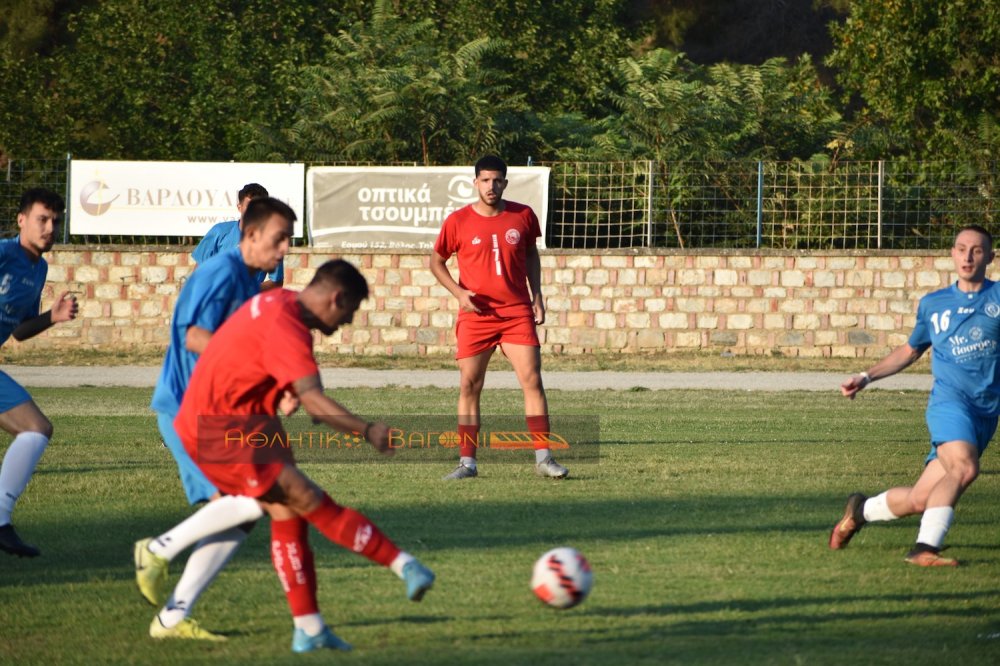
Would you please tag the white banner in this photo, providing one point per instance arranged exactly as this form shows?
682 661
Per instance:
402 208
171 198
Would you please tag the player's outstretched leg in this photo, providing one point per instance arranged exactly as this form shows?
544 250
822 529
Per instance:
352 530
851 522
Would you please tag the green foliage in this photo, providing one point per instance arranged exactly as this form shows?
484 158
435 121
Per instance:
672 109
383 92
926 71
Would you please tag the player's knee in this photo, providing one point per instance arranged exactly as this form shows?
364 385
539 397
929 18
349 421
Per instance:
968 474
471 386
42 426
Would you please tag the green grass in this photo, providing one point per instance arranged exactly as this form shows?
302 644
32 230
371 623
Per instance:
659 361
705 521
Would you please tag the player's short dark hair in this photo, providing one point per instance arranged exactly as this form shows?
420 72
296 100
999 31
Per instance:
260 210
343 274
491 163
979 230
47 198
252 190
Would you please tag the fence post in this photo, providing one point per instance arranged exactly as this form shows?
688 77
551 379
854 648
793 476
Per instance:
760 202
881 176
65 226
649 203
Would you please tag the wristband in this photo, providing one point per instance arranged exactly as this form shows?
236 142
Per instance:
866 377
368 426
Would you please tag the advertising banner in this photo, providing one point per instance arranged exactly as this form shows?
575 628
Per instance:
402 208
171 198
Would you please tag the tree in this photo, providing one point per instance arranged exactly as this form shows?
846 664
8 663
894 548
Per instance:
672 109
384 92
926 72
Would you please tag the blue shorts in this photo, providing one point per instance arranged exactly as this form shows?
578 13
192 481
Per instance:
196 486
12 394
950 421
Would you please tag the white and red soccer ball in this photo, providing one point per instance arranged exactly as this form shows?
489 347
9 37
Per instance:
562 578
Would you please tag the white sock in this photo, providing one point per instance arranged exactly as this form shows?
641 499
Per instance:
312 624
19 463
468 461
876 508
209 556
934 525
214 517
541 455
401 561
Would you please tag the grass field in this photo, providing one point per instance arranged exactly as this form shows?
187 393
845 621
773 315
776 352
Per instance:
705 521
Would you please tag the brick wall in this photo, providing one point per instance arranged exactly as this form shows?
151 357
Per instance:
815 304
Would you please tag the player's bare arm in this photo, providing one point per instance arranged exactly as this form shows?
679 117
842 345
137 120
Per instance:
439 268
196 339
897 360
65 308
326 410
534 270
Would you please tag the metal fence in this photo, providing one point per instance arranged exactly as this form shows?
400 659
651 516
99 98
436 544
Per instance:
704 205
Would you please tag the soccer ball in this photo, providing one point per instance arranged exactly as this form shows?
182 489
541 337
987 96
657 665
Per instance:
562 578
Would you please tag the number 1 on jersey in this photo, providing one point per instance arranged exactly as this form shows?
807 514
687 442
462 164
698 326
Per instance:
496 253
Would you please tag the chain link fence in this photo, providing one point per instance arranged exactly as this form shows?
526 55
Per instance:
701 205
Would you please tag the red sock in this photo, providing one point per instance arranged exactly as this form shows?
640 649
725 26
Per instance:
468 440
293 560
538 426
348 528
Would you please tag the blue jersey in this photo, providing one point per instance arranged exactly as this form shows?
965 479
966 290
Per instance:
964 331
212 293
21 282
224 236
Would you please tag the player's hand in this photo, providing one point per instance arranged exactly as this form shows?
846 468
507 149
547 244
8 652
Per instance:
65 308
466 303
378 435
289 403
852 386
538 309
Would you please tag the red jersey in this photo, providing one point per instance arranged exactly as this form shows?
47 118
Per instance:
492 256
257 353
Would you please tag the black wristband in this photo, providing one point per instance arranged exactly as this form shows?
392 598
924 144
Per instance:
368 426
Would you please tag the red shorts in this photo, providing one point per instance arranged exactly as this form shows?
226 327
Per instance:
249 479
480 333
240 455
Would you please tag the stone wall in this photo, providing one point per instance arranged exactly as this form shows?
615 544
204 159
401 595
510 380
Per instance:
799 304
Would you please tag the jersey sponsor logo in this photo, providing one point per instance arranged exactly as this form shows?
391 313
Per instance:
513 236
477 240
976 333
966 310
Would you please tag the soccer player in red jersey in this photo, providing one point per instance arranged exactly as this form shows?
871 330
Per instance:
264 349
500 302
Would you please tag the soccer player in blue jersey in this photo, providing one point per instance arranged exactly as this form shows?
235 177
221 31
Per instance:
212 293
22 276
961 323
226 235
